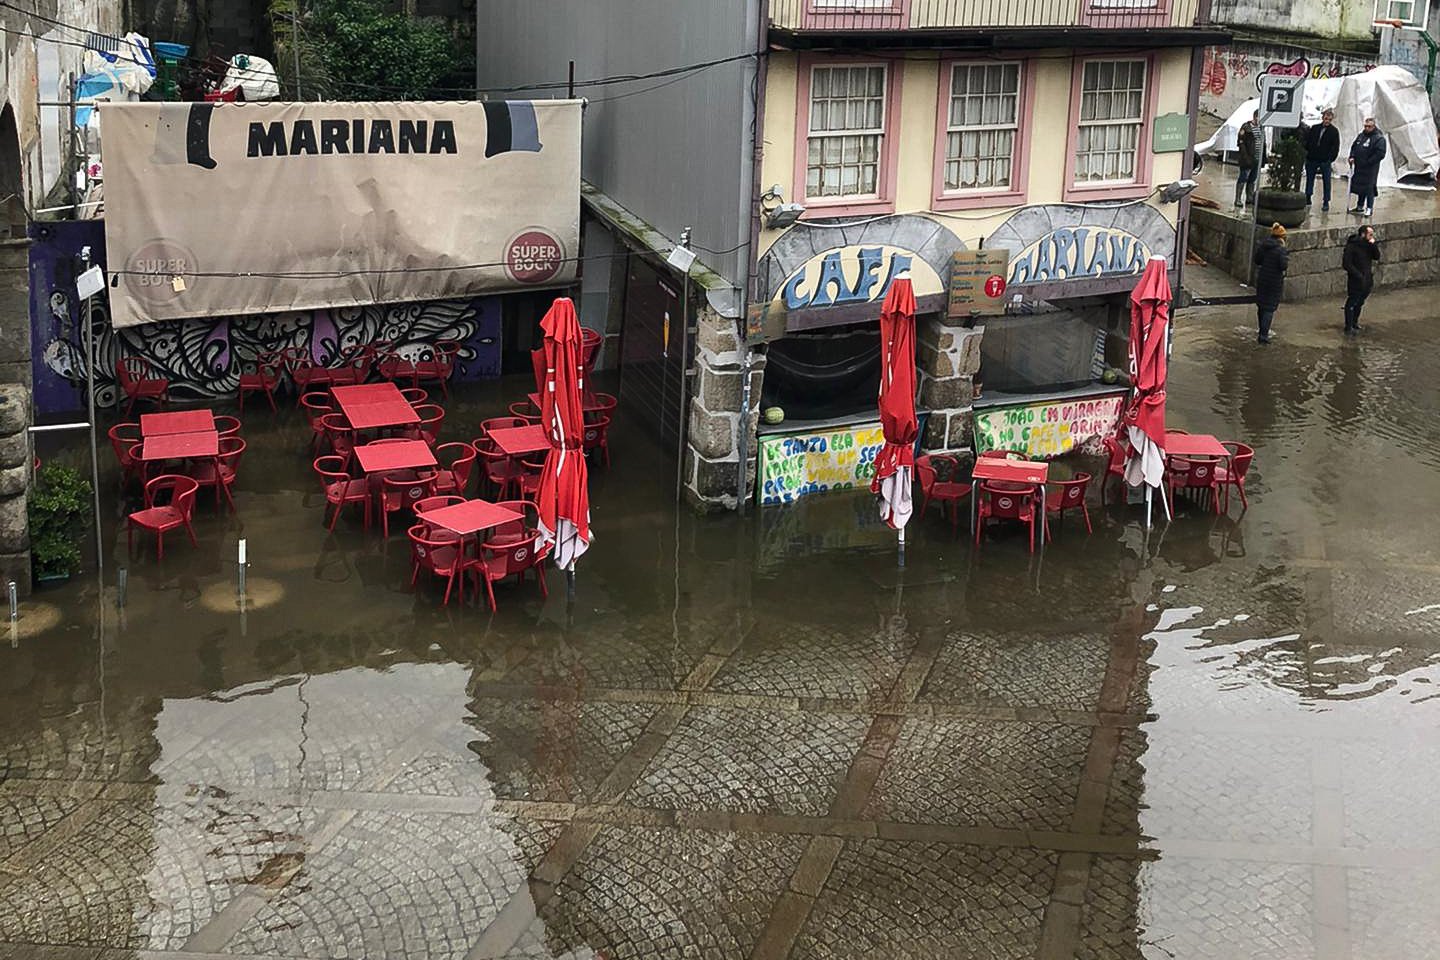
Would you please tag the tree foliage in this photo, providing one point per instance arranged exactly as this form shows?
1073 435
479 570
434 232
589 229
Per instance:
358 50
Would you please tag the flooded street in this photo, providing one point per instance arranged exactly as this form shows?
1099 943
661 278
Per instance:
760 738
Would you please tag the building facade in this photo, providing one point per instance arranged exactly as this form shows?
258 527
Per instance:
888 136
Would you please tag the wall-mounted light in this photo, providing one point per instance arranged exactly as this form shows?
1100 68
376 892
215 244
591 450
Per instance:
1172 192
778 213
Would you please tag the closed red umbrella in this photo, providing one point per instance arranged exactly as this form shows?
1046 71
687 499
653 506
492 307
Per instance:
563 498
895 465
1144 419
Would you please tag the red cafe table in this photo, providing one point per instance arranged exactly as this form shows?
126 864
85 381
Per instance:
374 406
176 421
1030 472
520 441
197 445
1194 445
398 455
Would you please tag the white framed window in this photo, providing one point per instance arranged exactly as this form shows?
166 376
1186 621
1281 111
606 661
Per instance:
983 126
847 130
851 4
1410 13
1112 113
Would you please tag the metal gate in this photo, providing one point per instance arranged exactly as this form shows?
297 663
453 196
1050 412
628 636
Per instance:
653 344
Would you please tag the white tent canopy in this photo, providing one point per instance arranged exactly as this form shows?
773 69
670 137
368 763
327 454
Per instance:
1390 94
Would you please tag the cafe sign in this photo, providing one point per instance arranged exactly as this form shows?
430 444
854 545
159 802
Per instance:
1080 253
857 274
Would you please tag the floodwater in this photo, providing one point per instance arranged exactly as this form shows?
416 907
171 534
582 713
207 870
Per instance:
759 737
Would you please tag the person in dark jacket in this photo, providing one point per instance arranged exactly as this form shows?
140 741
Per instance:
1247 146
1271 260
1361 254
1365 155
1322 146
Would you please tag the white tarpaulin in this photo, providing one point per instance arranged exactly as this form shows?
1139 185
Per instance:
218 209
1390 94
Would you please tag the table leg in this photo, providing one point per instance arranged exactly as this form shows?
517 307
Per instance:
1042 516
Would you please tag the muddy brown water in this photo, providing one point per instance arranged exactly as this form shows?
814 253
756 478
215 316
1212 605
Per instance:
759 737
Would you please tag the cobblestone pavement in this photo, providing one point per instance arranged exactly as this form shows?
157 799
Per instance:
762 740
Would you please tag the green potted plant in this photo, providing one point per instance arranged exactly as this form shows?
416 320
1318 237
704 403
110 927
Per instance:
1281 200
59 504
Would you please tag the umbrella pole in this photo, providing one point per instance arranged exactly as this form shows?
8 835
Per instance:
900 534
1149 494
570 585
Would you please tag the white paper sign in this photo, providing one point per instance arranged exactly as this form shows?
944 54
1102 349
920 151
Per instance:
90 282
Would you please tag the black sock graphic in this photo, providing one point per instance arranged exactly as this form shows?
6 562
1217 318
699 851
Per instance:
497 123
197 136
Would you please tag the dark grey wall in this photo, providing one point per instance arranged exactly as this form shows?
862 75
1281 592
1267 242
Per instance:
672 152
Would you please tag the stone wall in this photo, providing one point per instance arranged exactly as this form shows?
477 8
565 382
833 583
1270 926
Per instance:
712 455
948 356
15 311
14 486
1410 250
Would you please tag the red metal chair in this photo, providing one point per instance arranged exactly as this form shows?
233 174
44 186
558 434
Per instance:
529 480
316 405
527 527
437 366
502 423
308 375
340 435
341 488
220 473
524 410
1234 474
1062 495
498 561
439 552
125 439
227 426
432 415
139 381
605 404
401 492
948 492
597 437
415 395
1193 473
355 369
169 505
1003 501
1114 467
501 470
457 462
590 342
261 375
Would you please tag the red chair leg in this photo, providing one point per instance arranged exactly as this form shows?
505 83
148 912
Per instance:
190 531
1085 512
540 575
159 545
334 516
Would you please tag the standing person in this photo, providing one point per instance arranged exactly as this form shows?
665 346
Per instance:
1272 260
1365 155
1247 145
1361 254
1322 146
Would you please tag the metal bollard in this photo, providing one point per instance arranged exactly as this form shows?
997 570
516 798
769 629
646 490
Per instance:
122 582
240 569
14 603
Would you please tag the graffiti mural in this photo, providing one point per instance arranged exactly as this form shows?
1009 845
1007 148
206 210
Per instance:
203 359
1231 75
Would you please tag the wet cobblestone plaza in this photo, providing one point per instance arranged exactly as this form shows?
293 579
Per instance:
761 738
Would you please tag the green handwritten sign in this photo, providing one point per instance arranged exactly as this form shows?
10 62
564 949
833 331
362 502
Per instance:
1044 430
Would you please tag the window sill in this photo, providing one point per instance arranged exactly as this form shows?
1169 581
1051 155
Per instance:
978 201
842 207
1078 192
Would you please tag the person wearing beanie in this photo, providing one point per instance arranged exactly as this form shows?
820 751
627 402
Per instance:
1271 261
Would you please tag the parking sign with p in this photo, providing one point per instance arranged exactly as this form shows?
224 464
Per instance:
1280 100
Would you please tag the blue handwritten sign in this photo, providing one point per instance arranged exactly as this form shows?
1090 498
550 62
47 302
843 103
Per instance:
1080 253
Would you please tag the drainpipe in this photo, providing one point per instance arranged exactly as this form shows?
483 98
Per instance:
753 150
1192 106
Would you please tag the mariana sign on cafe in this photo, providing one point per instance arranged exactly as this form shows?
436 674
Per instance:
224 209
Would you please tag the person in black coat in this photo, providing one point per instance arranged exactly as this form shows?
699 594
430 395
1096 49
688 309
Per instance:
1359 259
1271 260
1322 146
1365 155
1249 154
